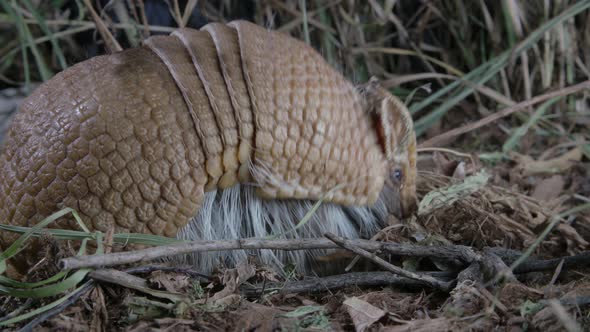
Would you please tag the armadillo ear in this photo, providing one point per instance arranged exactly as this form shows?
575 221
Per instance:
400 120
384 127
392 120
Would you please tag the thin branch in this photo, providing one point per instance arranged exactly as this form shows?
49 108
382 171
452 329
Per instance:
170 269
353 279
59 308
462 253
132 282
564 318
425 279
579 260
110 42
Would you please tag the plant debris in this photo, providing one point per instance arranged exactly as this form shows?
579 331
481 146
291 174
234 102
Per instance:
499 94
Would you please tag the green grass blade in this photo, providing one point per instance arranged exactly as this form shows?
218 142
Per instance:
494 67
302 222
530 250
486 71
131 29
18 244
99 244
43 25
307 216
17 284
22 47
60 275
328 47
303 8
586 150
42 309
64 234
79 221
26 36
145 239
435 96
46 291
514 139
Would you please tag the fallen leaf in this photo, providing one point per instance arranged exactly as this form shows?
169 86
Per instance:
233 278
257 317
448 195
444 165
575 242
229 300
422 325
400 304
99 315
529 166
303 310
169 321
548 189
245 272
268 274
363 314
172 282
459 172
516 294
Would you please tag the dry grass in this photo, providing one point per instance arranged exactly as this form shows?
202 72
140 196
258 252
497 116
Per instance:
454 63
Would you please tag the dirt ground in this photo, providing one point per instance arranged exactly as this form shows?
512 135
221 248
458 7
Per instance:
509 199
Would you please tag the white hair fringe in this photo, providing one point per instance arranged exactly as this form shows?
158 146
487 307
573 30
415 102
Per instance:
238 212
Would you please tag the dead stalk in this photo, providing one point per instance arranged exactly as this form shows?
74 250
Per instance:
462 253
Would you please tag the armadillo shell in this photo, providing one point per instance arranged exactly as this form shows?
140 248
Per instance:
179 63
203 53
312 134
132 140
111 138
228 49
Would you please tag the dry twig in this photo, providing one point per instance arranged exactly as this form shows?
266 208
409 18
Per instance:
461 253
425 279
110 41
59 308
353 279
130 281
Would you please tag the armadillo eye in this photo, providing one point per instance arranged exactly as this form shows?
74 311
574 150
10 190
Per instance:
397 174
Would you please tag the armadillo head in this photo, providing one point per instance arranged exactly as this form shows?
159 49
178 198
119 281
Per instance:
395 130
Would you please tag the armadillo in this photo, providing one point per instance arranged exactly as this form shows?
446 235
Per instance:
225 132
